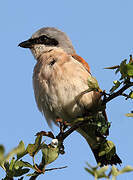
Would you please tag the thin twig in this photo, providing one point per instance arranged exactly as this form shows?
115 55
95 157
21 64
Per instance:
51 169
117 93
41 166
55 168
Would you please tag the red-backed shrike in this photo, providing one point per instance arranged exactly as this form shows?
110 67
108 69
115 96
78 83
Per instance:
60 76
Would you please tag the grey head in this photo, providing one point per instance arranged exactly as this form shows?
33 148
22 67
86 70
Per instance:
46 39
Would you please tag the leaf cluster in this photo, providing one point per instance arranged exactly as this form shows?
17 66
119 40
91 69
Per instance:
14 166
106 172
125 83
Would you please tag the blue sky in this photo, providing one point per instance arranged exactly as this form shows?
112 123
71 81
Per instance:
101 32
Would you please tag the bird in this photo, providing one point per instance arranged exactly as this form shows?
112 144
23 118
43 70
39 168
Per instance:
65 89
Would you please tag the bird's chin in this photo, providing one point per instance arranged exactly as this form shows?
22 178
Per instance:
38 49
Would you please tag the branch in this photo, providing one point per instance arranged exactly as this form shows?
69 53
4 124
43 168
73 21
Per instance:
61 136
116 94
41 166
51 169
55 168
80 122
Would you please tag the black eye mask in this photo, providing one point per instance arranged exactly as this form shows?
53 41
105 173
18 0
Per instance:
40 40
44 40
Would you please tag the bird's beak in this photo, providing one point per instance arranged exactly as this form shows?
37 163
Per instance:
26 44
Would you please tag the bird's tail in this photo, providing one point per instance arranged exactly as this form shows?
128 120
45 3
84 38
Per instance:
106 154
95 133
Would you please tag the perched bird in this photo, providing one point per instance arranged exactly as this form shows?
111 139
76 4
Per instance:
60 79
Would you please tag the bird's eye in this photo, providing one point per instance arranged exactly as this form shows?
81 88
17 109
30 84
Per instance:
43 38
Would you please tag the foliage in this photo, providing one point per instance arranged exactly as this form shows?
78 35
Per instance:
14 166
126 79
107 173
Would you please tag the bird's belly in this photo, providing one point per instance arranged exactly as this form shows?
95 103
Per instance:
60 99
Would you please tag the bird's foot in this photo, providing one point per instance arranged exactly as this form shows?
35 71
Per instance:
63 124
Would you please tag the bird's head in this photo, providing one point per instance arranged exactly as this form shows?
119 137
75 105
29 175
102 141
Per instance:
47 39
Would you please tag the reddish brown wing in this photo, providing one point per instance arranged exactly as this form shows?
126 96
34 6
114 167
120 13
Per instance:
81 60
87 67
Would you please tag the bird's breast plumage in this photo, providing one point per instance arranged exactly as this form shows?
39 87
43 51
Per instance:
58 79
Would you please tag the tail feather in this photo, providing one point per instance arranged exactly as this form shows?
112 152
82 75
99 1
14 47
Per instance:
95 133
104 160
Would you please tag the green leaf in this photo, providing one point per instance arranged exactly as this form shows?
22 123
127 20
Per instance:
89 171
12 164
129 114
123 69
50 154
115 171
130 69
32 174
23 150
101 172
15 151
21 163
2 151
32 149
116 85
126 169
126 70
97 173
93 84
15 168
91 167
21 172
131 95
